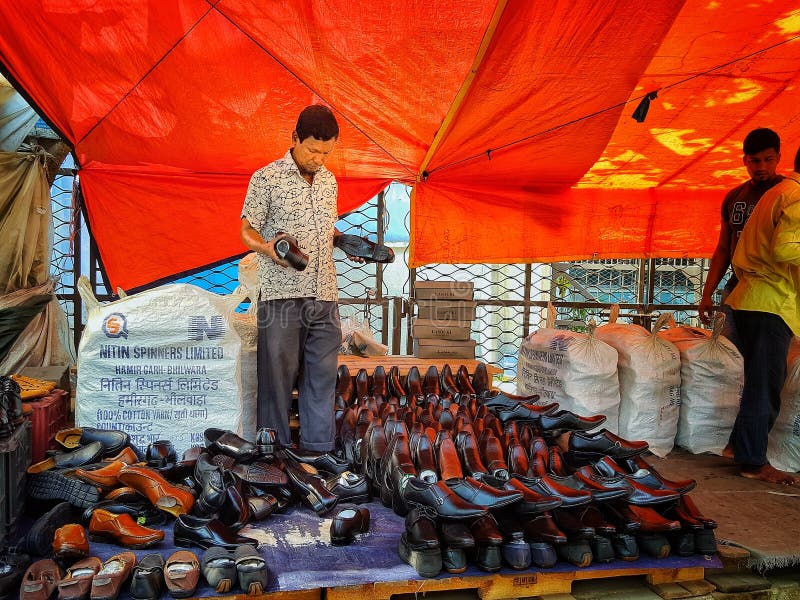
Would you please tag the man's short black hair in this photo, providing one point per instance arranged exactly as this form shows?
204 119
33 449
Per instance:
317 121
761 139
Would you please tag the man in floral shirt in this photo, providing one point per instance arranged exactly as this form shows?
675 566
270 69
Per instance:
298 315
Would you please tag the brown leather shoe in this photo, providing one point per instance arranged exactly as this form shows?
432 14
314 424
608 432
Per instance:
115 572
123 529
40 580
181 573
105 477
126 455
77 583
70 543
159 491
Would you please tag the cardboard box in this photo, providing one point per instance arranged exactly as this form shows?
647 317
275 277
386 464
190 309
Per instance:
441 330
444 290
425 348
446 310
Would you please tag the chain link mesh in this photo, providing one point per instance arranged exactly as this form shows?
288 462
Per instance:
511 299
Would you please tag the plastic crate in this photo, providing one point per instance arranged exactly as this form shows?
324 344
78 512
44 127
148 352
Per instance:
15 457
48 416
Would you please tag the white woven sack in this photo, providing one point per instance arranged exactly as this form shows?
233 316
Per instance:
161 364
649 382
572 368
783 451
712 376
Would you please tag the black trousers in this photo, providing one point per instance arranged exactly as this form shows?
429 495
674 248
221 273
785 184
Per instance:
298 344
764 343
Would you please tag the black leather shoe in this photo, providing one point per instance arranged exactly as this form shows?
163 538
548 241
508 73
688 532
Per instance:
266 442
637 494
543 554
113 440
347 523
454 560
261 475
567 522
419 543
310 487
212 482
55 485
234 511
39 539
475 492
625 546
160 453
549 486
84 455
496 400
228 443
349 487
592 447
12 569
560 421
219 568
251 569
524 412
602 549
645 475
205 533
440 498
455 534
578 553
261 506
321 461
286 247
148 577
532 503
542 528
354 245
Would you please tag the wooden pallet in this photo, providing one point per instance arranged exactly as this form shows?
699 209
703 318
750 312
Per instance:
524 584
289 595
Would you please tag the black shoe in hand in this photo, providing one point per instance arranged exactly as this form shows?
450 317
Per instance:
353 245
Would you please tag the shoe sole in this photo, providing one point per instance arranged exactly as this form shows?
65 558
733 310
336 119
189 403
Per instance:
353 245
427 563
39 540
52 485
204 544
104 539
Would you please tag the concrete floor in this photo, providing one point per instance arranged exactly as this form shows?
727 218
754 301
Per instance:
762 517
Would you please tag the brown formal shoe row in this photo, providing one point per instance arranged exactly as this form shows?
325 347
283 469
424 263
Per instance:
91 578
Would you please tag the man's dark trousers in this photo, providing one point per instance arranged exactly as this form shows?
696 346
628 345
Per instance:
298 344
764 339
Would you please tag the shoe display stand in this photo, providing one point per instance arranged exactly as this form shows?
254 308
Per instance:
404 362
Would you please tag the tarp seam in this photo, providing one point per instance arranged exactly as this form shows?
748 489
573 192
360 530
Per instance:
145 75
315 91
527 138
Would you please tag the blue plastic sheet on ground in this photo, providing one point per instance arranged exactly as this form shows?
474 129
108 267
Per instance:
299 556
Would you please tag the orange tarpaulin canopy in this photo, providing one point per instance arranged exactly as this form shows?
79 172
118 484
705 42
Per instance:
510 118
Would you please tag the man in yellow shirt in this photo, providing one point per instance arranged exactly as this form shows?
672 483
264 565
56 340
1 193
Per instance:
767 314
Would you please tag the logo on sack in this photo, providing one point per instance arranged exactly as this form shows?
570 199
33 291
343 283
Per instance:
115 325
198 326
